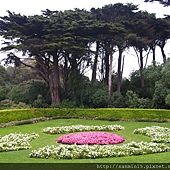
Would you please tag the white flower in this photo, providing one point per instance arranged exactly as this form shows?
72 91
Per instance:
96 151
157 133
80 128
13 142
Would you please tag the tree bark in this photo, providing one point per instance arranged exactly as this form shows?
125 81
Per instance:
161 44
163 54
94 69
153 55
106 61
110 76
141 69
65 73
119 70
54 81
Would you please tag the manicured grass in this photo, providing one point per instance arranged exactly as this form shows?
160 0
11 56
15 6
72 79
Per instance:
22 156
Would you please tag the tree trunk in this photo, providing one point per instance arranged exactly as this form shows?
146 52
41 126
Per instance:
119 70
110 76
161 44
163 54
153 55
106 61
65 73
54 82
94 69
141 68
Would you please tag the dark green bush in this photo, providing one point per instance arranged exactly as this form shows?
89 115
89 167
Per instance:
39 102
68 104
18 94
99 98
118 100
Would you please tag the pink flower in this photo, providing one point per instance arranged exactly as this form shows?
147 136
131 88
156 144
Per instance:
91 138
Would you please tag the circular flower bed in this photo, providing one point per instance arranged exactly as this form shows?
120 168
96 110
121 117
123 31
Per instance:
91 138
82 150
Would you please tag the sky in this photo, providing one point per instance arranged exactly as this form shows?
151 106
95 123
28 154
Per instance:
33 7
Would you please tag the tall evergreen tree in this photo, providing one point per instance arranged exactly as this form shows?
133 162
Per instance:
142 33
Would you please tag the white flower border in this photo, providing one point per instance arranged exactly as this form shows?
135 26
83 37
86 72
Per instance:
14 142
96 151
81 128
157 133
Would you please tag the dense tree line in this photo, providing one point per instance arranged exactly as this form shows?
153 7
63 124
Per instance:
20 87
58 46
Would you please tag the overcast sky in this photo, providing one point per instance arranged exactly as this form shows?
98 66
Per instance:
32 7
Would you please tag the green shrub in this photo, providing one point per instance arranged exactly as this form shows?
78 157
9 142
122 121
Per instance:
159 95
104 113
99 98
39 102
117 100
68 103
132 99
167 100
9 104
6 104
19 93
20 105
144 103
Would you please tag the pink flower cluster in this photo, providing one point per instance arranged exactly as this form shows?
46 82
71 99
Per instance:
91 138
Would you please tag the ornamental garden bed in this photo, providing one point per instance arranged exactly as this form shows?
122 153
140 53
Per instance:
44 145
91 138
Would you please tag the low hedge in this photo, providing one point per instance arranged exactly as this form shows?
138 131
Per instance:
125 114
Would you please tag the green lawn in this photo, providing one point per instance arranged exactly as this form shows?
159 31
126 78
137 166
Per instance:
22 156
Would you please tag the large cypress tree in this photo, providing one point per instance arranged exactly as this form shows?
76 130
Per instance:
49 39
